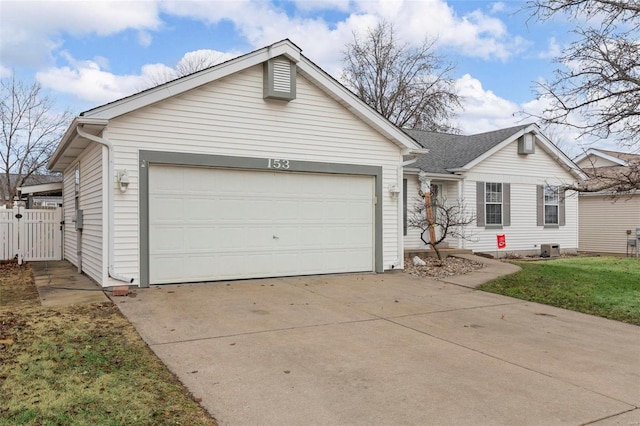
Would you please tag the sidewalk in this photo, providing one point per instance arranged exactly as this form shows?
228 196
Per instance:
59 284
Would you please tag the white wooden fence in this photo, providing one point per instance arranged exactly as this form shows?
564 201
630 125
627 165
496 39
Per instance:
36 235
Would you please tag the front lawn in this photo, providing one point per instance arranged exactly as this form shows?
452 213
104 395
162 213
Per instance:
605 286
82 365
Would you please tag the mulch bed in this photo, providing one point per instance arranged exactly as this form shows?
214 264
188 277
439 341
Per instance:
441 269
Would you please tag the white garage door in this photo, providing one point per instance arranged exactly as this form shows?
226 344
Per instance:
216 224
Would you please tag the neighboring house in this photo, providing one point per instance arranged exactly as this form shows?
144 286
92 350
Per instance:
607 222
35 191
261 166
508 178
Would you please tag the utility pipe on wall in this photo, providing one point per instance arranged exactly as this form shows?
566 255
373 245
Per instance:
111 178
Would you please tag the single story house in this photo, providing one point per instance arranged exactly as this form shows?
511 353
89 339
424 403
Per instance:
509 179
608 222
261 166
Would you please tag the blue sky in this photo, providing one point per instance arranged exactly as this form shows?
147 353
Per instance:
90 52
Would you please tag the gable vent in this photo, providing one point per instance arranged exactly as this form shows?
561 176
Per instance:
527 144
279 79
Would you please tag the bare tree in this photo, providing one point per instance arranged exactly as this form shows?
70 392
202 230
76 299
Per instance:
616 180
31 129
409 86
192 62
447 220
596 89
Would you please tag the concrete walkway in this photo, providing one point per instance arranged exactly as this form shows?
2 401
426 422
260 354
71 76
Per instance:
388 349
59 284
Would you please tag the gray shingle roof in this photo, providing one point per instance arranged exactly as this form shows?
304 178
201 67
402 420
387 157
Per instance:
448 151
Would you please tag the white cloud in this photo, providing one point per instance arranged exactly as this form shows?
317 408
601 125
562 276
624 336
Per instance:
498 7
311 5
553 50
30 30
484 110
475 34
144 38
4 72
89 80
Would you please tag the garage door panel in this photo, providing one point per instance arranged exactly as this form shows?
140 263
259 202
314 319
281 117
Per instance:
167 208
200 238
215 224
168 239
168 268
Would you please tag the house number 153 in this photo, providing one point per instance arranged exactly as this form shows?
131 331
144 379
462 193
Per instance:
275 163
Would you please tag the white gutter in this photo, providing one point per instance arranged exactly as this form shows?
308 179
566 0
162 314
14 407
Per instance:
111 179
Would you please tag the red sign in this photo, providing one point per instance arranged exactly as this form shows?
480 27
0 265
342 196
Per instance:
502 241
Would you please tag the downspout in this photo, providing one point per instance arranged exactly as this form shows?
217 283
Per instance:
111 174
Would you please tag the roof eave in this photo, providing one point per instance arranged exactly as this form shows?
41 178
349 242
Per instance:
68 139
598 153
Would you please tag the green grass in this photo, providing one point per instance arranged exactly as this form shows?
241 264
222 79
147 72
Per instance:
605 286
82 365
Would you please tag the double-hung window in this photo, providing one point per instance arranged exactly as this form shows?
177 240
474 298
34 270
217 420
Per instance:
551 205
493 203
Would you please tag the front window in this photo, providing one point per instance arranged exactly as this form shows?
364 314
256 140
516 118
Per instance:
493 203
551 203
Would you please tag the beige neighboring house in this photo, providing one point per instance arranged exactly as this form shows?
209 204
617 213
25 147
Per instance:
607 222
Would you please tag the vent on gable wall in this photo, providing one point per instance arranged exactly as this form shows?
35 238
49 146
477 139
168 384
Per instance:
280 79
527 144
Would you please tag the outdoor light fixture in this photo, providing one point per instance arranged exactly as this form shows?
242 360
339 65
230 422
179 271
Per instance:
123 180
394 191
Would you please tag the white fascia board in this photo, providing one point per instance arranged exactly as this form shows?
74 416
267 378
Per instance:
43 187
357 106
64 143
433 176
184 84
597 153
558 155
420 151
70 135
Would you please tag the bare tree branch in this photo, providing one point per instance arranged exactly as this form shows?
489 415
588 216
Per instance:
450 220
596 89
30 132
409 86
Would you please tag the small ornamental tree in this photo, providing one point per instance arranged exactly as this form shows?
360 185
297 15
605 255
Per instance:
448 220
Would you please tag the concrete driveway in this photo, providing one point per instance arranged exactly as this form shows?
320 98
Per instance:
387 349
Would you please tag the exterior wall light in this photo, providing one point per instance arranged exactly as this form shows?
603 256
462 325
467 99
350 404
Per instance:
123 180
394 190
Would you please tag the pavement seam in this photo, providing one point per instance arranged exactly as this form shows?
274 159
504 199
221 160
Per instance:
610 417
264 331
517 365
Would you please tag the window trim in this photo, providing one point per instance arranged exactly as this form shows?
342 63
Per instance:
545 204
501 204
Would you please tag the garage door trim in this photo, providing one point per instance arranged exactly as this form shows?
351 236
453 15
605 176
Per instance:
250 163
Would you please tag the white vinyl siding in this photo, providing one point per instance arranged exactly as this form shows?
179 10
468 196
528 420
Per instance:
69 211
230 117
604 222
523 173
90 202
412 239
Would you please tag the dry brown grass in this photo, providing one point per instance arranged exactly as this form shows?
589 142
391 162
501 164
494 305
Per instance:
82 365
